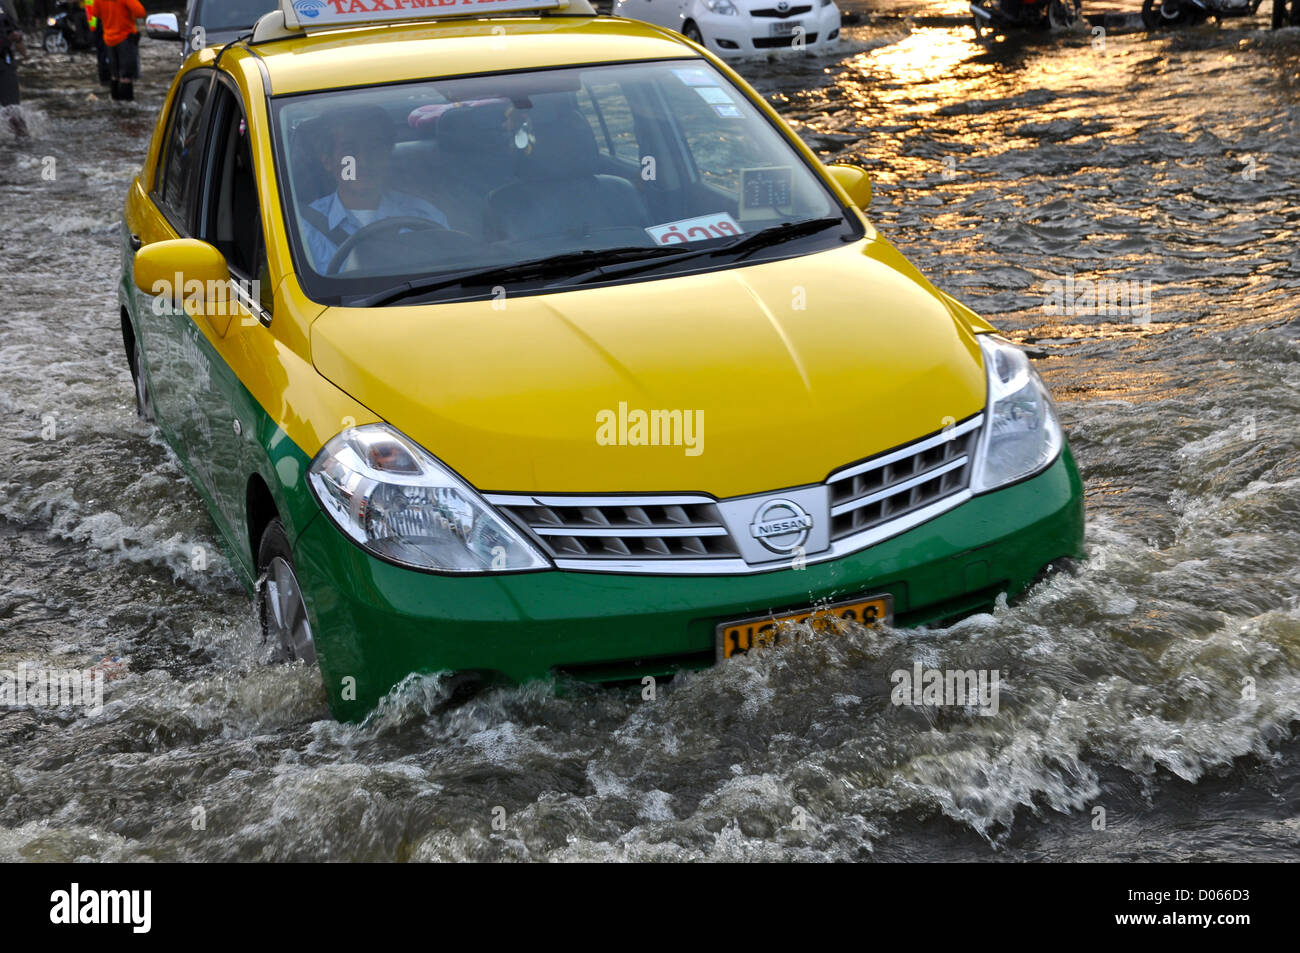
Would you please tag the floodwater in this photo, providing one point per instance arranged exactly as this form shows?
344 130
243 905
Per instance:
1149 703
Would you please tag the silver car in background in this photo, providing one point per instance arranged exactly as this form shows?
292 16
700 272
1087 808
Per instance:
208 22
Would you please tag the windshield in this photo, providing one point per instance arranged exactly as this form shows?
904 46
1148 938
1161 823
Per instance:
481 180
223 15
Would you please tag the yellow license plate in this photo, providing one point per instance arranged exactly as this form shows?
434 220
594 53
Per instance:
737 638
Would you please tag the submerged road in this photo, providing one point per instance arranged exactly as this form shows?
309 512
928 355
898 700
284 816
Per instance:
1160 684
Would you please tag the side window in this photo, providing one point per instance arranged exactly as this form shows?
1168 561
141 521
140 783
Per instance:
174 185
231 218
607 109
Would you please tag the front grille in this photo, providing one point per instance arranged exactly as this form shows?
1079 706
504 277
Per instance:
774 42
857 506
871 494
653 528
773 12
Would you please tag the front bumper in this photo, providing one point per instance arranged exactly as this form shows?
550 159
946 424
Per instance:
375 623
745 35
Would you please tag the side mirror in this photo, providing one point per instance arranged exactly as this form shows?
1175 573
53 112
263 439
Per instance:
162 26
854 181
190 274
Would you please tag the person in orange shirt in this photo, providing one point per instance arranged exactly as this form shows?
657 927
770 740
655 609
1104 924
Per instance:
122 42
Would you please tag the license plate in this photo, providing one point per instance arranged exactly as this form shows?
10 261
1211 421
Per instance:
737 638
785 28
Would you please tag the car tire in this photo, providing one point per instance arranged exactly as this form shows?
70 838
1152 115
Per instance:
55 43
143 399
692 32
1168 13
281 610
1063 14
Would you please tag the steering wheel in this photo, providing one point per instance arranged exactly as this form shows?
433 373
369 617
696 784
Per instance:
383 226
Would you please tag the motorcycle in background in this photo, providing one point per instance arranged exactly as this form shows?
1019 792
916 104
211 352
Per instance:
67 29
1003 16
1157 14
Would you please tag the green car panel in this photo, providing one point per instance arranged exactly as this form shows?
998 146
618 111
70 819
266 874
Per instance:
390 621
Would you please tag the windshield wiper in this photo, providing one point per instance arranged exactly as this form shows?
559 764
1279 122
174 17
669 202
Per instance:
536 268
776 234
746 245
633 258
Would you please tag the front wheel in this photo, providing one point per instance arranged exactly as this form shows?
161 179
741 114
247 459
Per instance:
280 605
1064 14
55 43
143 399
1169 13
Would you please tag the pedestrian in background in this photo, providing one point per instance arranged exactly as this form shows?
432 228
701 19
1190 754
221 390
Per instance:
11 44
122 40
101 51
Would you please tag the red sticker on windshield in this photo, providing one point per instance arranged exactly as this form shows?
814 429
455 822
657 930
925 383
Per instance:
698 229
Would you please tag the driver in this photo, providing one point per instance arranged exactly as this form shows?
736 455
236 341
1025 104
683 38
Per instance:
357 153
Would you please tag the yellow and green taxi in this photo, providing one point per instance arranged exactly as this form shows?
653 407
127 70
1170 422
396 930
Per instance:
505 339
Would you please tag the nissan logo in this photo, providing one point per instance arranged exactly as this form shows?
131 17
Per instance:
781 525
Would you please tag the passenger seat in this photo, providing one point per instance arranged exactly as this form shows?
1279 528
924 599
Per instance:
473 160
560 191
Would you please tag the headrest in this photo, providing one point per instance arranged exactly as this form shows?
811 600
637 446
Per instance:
563 146
474 131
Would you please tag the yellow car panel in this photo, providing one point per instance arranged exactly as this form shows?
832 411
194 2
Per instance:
363 57
797 367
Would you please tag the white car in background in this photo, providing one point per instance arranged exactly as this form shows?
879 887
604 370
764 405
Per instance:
742 27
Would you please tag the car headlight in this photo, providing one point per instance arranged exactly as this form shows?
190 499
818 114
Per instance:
1021 433
51 21
723 7
394 499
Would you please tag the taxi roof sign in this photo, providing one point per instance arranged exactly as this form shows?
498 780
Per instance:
325 14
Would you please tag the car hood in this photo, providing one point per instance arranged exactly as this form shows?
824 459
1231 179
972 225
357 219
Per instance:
788 370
